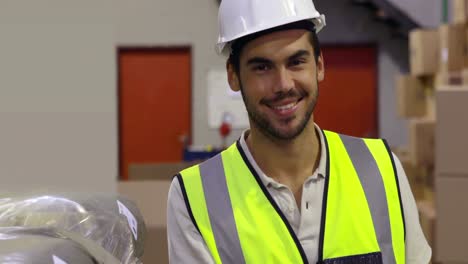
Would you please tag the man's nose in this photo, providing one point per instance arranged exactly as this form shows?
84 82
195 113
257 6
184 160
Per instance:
284 81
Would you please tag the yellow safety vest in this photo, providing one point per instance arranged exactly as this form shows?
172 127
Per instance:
362 215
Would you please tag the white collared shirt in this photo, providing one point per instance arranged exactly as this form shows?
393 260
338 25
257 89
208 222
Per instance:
187 246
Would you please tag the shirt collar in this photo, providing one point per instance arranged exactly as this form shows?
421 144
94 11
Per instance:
319 172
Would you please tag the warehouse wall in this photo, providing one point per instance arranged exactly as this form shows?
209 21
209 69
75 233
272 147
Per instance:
427 13
57 96
58 86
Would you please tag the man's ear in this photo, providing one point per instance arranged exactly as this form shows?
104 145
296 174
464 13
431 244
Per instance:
233 79
320 68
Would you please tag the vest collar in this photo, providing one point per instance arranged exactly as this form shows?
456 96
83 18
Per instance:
321 170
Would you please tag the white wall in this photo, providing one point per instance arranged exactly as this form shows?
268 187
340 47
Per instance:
393 128
57 96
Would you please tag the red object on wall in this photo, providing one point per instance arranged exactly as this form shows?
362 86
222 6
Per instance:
154 105
225 129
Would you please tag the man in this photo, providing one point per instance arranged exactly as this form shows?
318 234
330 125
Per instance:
286 191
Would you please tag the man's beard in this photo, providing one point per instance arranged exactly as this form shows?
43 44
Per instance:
268 129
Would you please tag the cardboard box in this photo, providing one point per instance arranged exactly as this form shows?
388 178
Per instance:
465 77
411 101
428 175
460 11
452 216
421 139
430 106
151 199
452 47
451 131
448 79
416 181
428 194
413 173
466 47
427 219
424 52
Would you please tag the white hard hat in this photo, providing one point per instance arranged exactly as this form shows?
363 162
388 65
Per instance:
239 18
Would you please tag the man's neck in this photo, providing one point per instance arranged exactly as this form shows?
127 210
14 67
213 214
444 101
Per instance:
288 162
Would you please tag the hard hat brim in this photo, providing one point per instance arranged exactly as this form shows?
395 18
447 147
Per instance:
223 46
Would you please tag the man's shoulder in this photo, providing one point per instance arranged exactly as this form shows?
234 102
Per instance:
196 164
211 162
199 163
215 156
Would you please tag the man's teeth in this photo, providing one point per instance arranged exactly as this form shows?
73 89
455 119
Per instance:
285 107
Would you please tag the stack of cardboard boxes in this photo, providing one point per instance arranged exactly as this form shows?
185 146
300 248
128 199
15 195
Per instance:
452 174
434 99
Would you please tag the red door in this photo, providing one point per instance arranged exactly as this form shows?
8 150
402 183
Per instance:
348 96
154 105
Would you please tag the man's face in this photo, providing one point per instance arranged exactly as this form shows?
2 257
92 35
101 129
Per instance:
278 78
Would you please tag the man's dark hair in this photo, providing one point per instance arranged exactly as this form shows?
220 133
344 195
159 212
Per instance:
238 45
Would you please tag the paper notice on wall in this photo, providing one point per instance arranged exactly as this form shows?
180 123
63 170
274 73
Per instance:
223 102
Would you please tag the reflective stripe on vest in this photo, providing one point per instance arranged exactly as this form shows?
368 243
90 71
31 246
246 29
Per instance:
241 223
363 209
220 211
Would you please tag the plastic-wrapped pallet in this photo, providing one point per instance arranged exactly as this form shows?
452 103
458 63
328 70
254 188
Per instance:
49 246
111 222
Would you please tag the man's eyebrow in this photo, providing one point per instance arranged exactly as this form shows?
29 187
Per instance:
298 54
258 60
